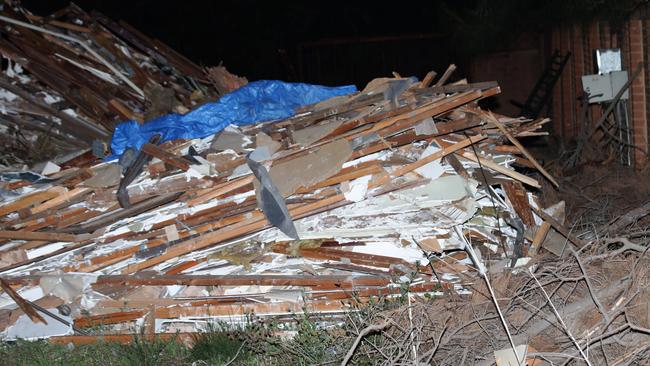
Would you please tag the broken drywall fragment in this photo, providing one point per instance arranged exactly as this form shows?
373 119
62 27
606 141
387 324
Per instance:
12 256
507 357
427 127
434 169
231 138
204 168
445 189
265 148
430 245
260 154
67 286
309 135
171 233
557 211
223 160
24 305
355 190
10 317
50 168
307 170
264 140
105 176
240 170
555 243
24 328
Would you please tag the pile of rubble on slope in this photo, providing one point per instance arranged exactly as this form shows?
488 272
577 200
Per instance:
68 78
401 186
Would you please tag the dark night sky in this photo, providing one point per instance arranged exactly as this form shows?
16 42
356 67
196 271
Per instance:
247 34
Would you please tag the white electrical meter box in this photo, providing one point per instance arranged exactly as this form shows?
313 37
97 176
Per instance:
607 85
608 60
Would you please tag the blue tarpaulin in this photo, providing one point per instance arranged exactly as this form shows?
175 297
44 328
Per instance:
259 101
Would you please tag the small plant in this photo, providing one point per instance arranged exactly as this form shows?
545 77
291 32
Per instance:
219 346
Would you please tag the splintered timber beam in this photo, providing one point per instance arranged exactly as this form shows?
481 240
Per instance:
308 295
443 79
88 130
31 199
435 156
431 110
110 318
523 150
253 222
62 199
485 162
37 235
340 255
259 309
169 158
256 224
111 217
83 44
559 227
26 307
65 249
428 78
222 189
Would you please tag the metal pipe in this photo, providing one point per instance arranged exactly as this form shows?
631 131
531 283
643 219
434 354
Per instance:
82 43
57 318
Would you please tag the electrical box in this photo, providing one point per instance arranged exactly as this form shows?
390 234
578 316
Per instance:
608 60
607 85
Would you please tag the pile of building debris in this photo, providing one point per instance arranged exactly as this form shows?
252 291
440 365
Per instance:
358 196
68 78
402 189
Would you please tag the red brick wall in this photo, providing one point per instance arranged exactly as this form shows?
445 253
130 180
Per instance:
637 93
582 41
594 43
568 93
556 112
516 72
578 69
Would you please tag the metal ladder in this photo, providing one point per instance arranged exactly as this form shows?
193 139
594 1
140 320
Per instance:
543 89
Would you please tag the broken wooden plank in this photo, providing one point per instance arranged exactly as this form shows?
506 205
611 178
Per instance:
540 235
64 197
445 76
169 158
523 150
22 303
37 235
424 161
428 78
519 198
485 162
222 189
31 199
559 227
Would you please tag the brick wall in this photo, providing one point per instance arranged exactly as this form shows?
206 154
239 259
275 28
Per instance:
556 111
637 93
582 40
516 71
